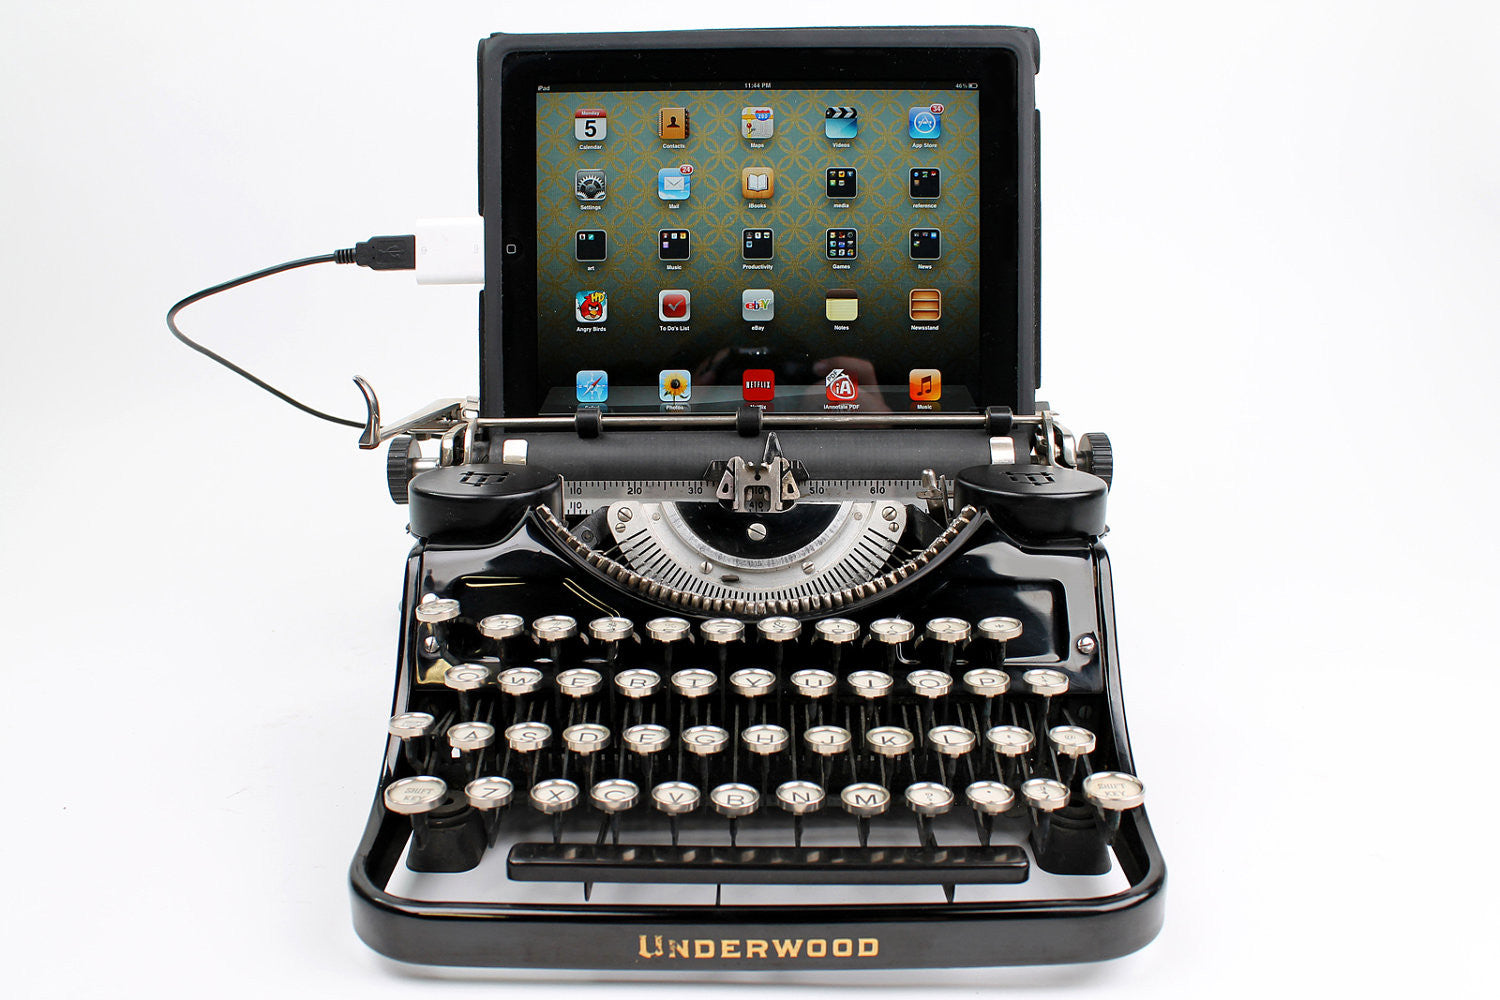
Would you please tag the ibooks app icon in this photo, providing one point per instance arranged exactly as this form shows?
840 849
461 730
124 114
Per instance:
925 384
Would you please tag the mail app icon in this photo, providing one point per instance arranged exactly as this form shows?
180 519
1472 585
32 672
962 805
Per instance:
757 182
672 184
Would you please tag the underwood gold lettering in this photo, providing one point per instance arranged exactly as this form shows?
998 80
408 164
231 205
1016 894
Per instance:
869 947
843 947
755 948
729 949
703 948
817 948
678 949
787 949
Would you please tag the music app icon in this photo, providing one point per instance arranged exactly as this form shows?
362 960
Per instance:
925 384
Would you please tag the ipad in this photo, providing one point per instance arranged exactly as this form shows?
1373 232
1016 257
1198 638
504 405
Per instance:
806 221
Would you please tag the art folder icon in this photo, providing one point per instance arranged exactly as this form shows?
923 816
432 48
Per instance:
841 305
925 305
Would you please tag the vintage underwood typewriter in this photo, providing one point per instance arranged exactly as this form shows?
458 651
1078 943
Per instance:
757 615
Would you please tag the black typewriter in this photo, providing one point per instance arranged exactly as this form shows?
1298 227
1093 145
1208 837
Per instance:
757 615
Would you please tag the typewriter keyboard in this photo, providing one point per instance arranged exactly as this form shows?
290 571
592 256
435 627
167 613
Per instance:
724 753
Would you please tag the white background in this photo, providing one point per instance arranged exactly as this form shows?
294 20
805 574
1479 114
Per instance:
1270 244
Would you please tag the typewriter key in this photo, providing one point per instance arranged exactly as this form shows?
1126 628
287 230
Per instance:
489 793
799 797
1114 791
871 684
1045 794
553 797
837 630
410 725
611 629
526 737
675 798
615 795
765 739
436 609
722 630
814 683
990 797
1045 682
466 677
890 741
1072 741
999 629
779 628
416 795
734 799
694 682
948 630
520 680
930 683
752 682
647 738
554 628
952 741
579 682
892 631
827 741
502 626
669 630
586 738
864 800
929 798
470 736
1010 741
637 682
986 682
705 741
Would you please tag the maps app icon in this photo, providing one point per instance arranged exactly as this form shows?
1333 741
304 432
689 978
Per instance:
757 123
841 122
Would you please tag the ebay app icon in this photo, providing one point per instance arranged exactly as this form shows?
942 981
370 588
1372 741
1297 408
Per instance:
758 304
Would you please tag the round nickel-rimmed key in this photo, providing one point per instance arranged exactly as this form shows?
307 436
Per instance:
647 738
871 684
999 628
892 631
814 683
637 682
470 736
779 628
416 795
554 628
1046 682
1072 741
836 630
948 630
694 682
586 737
752 682
1010 741
722 631
669 629
435 610
492 792
579 682
410 725
526 737
1114 791
890 741
466 676
865 799
1045 794
930 683
827 741
615 795
502 626
986 682
519 680
704 741
952 741
990 798
929 798
553 796
765 739
611 629
734 799
799 797
676 798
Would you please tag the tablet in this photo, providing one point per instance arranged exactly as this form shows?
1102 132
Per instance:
803 220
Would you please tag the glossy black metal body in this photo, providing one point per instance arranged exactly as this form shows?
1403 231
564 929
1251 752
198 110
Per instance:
1061 592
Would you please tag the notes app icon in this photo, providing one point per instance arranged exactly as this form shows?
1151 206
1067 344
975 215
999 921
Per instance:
757 182
925 384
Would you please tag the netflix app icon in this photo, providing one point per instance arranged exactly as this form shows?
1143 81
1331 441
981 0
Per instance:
760 385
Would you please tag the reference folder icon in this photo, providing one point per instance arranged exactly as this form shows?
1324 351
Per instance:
926 305
841 305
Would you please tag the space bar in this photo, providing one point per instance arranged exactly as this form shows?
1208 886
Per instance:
722 865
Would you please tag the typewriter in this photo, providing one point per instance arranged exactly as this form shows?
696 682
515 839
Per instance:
757 616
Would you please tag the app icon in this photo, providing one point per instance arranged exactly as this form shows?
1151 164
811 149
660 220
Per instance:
757 182
674 386
925 384
672 123
925 123
591 307
757 123
589 184
593 386
674 305
926 244
841 386
925 305
841 122
926 182
843 182
758 244
672 184
674 244
841 305
842 244
590 124
760 385
758 304
590 245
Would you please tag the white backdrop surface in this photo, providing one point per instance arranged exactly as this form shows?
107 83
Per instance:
1271 233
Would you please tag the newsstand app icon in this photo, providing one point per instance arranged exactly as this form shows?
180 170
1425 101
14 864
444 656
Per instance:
841 386
759 385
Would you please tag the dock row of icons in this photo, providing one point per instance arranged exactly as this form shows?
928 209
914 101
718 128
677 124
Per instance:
758 123
591 184
757 305
591 246
758 385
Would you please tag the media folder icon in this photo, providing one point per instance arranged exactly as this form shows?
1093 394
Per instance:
841 305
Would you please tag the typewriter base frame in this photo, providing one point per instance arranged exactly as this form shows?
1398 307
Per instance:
668 938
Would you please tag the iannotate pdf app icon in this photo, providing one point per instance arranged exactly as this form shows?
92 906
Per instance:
760 385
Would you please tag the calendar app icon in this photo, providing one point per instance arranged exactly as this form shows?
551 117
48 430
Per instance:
590 124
